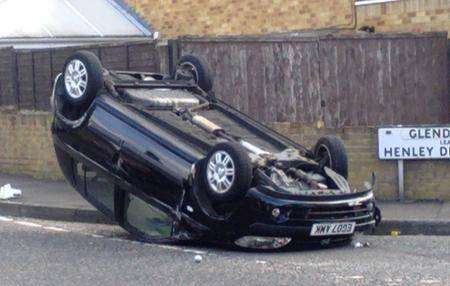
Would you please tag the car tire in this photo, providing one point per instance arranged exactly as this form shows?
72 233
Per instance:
330 152
194 69
227 173
83 78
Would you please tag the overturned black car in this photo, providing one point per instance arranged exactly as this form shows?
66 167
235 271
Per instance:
164 158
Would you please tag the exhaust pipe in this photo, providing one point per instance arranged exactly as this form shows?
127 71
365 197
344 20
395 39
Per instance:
209 126
252 148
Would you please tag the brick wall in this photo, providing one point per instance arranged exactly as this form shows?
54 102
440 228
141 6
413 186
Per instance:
231 17
26 148
406 16
25 144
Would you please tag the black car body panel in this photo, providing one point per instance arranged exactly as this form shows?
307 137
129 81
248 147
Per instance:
120 155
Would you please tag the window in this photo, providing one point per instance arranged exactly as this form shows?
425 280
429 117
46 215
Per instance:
100 191
146 218
78 176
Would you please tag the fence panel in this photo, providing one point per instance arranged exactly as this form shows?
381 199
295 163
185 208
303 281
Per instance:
43 79
7 87
271 81
345 80
25 79
143 57
114 57
26 76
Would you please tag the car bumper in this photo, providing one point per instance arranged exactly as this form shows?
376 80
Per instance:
286 216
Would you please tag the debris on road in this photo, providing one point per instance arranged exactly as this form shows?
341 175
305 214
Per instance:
358 244
7 192
198 258
395 233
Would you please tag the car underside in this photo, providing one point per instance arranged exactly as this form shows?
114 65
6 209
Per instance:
164 158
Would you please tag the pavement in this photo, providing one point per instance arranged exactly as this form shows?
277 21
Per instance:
56 200
52 200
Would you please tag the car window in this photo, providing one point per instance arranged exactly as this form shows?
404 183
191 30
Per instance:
78 176
100 190
146 218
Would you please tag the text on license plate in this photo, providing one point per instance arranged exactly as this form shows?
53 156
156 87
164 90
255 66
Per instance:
323 229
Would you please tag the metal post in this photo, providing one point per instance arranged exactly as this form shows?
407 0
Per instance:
401 181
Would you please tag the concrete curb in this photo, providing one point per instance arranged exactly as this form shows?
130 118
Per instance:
53 213
404 227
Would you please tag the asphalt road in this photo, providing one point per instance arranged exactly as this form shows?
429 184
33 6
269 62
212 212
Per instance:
36 252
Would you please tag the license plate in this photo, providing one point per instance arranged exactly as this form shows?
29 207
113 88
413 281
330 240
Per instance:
338 228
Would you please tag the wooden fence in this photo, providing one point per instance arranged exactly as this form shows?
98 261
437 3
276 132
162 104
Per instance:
345 80
26 76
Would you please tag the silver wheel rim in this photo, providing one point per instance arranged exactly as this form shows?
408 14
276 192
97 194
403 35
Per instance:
75 78
220 172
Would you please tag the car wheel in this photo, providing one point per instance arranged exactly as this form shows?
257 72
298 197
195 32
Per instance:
330 152
193 69
83 78
228 173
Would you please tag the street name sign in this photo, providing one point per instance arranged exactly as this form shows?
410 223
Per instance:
424 142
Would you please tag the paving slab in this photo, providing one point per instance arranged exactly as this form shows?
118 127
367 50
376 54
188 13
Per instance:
416 210
54 200
45 193
444 213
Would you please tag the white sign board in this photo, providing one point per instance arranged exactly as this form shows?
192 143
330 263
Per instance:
402 143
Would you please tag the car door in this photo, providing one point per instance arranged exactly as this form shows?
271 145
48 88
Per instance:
130 147
100 191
